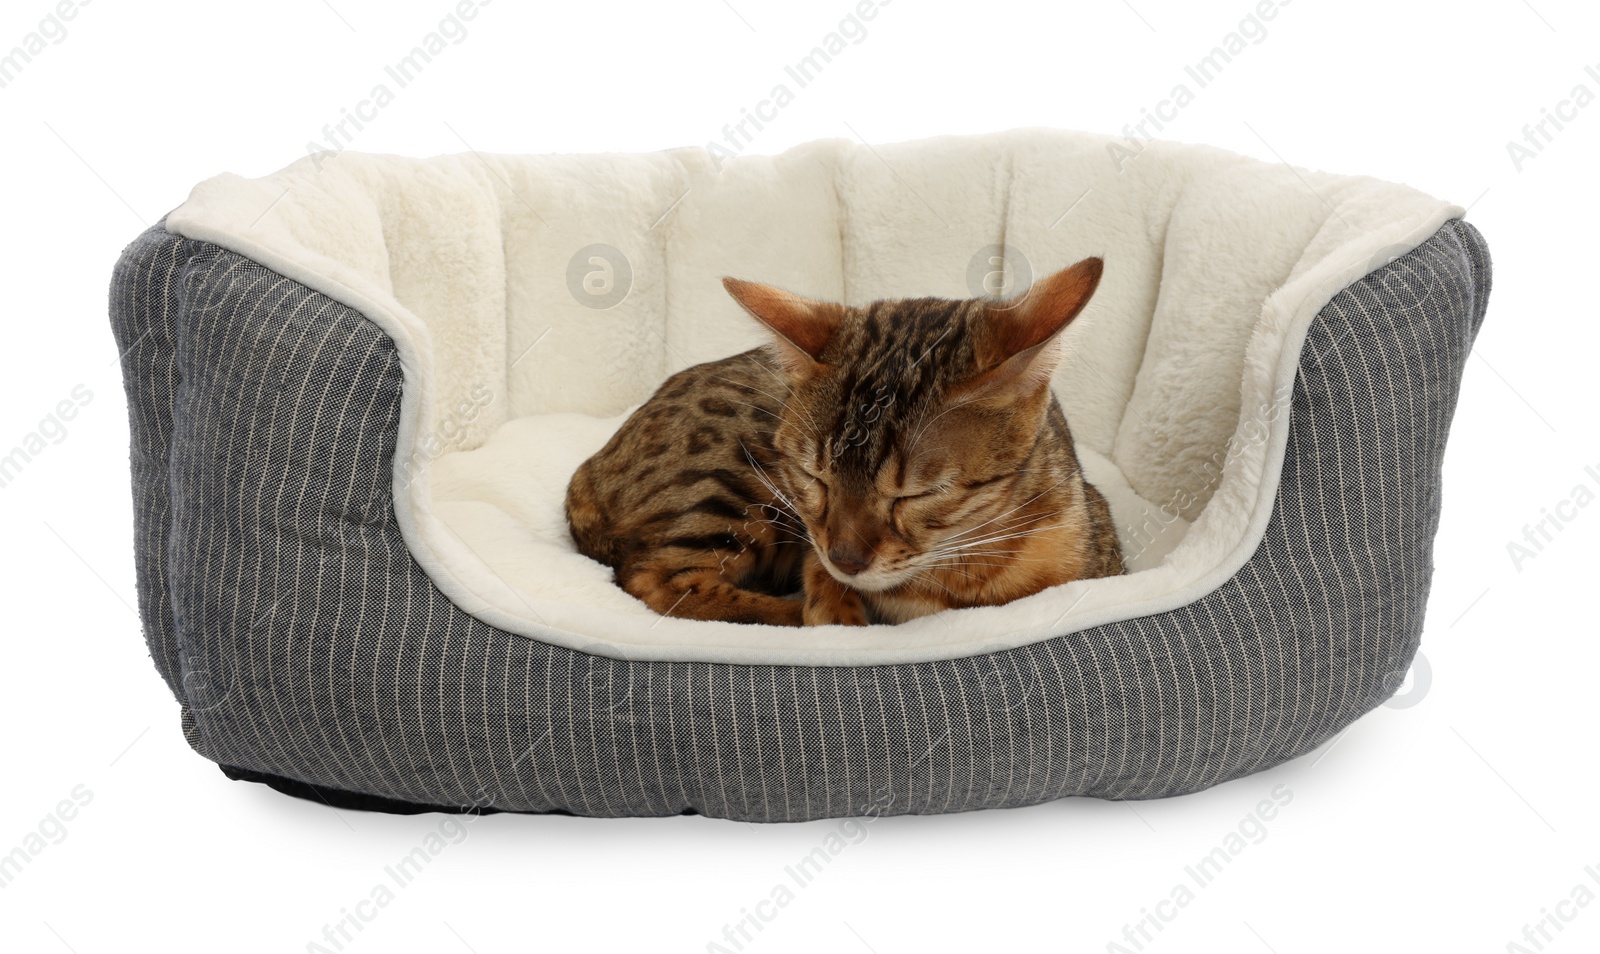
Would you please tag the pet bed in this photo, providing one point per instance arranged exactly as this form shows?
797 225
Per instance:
358 386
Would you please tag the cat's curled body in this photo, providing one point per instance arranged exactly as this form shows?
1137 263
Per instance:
888 461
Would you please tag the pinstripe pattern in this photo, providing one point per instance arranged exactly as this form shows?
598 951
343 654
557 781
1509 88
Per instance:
144 297
282 605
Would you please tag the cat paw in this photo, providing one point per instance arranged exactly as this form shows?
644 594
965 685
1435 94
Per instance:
845 609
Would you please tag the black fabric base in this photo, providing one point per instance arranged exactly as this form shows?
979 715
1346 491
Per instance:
362 802
341 798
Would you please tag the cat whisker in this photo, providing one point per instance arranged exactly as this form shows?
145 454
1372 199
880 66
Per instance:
1008 556
928 578
997 538
1014 536
936 553
954 556
776 417
994 536
968 577
783 500
785 506
956 536
783 524
774 371
778 514
962 567
809 420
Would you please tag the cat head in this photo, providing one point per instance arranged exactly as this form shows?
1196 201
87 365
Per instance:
907 421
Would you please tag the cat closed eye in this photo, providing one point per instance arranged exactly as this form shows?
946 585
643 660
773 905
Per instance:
920 494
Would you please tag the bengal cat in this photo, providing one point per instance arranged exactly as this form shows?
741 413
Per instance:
888 461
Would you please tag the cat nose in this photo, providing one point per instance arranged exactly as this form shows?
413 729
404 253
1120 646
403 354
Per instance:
849 563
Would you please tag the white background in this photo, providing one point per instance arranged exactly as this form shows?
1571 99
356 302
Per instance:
1447 825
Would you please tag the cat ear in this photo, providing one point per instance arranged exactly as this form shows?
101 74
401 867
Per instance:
803 327
1018 350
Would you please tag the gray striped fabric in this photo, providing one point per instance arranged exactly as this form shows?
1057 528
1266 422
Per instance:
282 606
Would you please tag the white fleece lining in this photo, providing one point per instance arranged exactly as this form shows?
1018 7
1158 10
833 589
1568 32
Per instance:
1188 220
